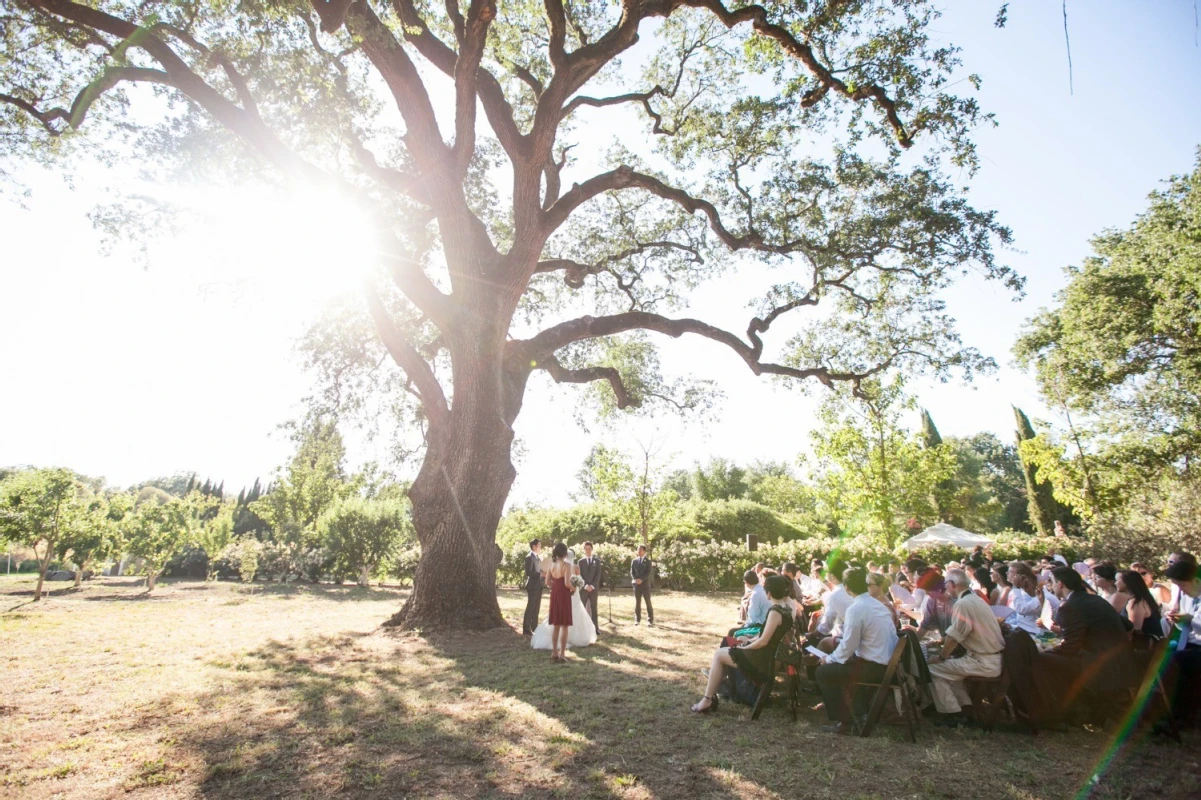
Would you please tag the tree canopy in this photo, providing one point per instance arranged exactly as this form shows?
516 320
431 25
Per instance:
549 235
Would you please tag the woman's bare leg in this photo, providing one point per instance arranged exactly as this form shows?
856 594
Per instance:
717 668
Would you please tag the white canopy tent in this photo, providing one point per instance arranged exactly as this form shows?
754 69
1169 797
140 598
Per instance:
942 533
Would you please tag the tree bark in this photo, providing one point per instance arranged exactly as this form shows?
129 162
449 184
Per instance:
78 576
37 593
151 577
365 576
460 492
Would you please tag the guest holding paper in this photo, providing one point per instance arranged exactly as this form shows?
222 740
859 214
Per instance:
974 626
1186 659
868 639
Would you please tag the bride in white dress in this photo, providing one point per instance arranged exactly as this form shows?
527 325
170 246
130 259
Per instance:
581 633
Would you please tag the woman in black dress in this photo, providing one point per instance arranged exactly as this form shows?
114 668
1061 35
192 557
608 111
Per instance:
1141 609
754 658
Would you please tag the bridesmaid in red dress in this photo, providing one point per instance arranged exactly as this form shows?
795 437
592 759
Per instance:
560 601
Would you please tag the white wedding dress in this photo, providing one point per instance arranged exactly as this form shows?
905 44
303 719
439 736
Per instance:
581 632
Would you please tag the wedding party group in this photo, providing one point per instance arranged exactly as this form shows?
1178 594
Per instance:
1058 644
574 590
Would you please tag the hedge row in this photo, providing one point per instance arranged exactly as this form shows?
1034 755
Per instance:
714 566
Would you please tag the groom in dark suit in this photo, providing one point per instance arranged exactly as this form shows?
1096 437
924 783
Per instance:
593 574
640 576
533 588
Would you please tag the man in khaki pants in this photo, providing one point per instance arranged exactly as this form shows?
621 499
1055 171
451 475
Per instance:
974 626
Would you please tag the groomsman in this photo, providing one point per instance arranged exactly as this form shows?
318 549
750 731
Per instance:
640 575
593 574
533 588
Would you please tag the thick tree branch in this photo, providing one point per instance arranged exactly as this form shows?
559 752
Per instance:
556 19
467 69
492 96
626 178
562 374
408 359
86 96
552 339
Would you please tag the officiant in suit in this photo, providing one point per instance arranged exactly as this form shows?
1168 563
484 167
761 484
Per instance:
592 571
533 588
640 576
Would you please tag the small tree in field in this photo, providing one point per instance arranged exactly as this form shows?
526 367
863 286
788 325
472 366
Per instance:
362 534
155 532
37 509
542 210
214 528
97 532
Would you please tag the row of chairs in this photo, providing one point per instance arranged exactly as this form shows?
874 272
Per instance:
989 695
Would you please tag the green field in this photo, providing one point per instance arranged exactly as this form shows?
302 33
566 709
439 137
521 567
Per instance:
229 691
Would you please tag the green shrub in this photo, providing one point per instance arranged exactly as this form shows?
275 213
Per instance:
732 520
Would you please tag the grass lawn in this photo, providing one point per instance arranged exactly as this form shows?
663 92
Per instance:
229 691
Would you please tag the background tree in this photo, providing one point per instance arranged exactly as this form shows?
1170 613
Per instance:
38 507
363 534
1118 356
96 534
872 473
310 483
512 250
1040 495
214 528
155 532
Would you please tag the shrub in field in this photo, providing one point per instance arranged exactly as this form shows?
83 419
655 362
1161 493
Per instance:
155 532
363 534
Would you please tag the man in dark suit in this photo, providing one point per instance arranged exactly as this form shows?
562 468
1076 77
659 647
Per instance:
593 574
640 576
533 588
1095 655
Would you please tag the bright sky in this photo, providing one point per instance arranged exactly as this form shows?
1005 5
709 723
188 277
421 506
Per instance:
188 365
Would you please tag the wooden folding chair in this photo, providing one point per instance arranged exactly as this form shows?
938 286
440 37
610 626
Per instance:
783 656
894 677
1152 685
992 693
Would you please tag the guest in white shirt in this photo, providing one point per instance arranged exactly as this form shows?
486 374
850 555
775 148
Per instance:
756 610
1023 599
1185 676
834 606
869 637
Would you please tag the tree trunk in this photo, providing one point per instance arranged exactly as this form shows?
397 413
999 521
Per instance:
460 492
151 577
365 576
37 593
78 576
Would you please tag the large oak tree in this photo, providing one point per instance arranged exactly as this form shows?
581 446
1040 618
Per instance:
559 230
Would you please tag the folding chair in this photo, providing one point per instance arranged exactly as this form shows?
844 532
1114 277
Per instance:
894 678
1152 684
785 651
993 693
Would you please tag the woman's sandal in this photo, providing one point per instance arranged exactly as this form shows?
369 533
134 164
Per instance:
713 703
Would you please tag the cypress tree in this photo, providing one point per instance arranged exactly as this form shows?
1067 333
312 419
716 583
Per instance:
1040 501
930 436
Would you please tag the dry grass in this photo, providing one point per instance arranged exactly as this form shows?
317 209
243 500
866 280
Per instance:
227 691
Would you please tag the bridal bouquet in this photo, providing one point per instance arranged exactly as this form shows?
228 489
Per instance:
577 582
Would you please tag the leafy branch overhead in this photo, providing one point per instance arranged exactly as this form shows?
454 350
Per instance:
731 176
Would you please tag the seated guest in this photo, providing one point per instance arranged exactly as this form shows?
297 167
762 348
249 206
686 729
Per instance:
1141 609
1095 655
975 627
1105 577
1186 658
877 587
984 586
834 605
976 559
1176 557
756 659
1023 599
1162 592
868 640
756 604
934 613
1000 578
